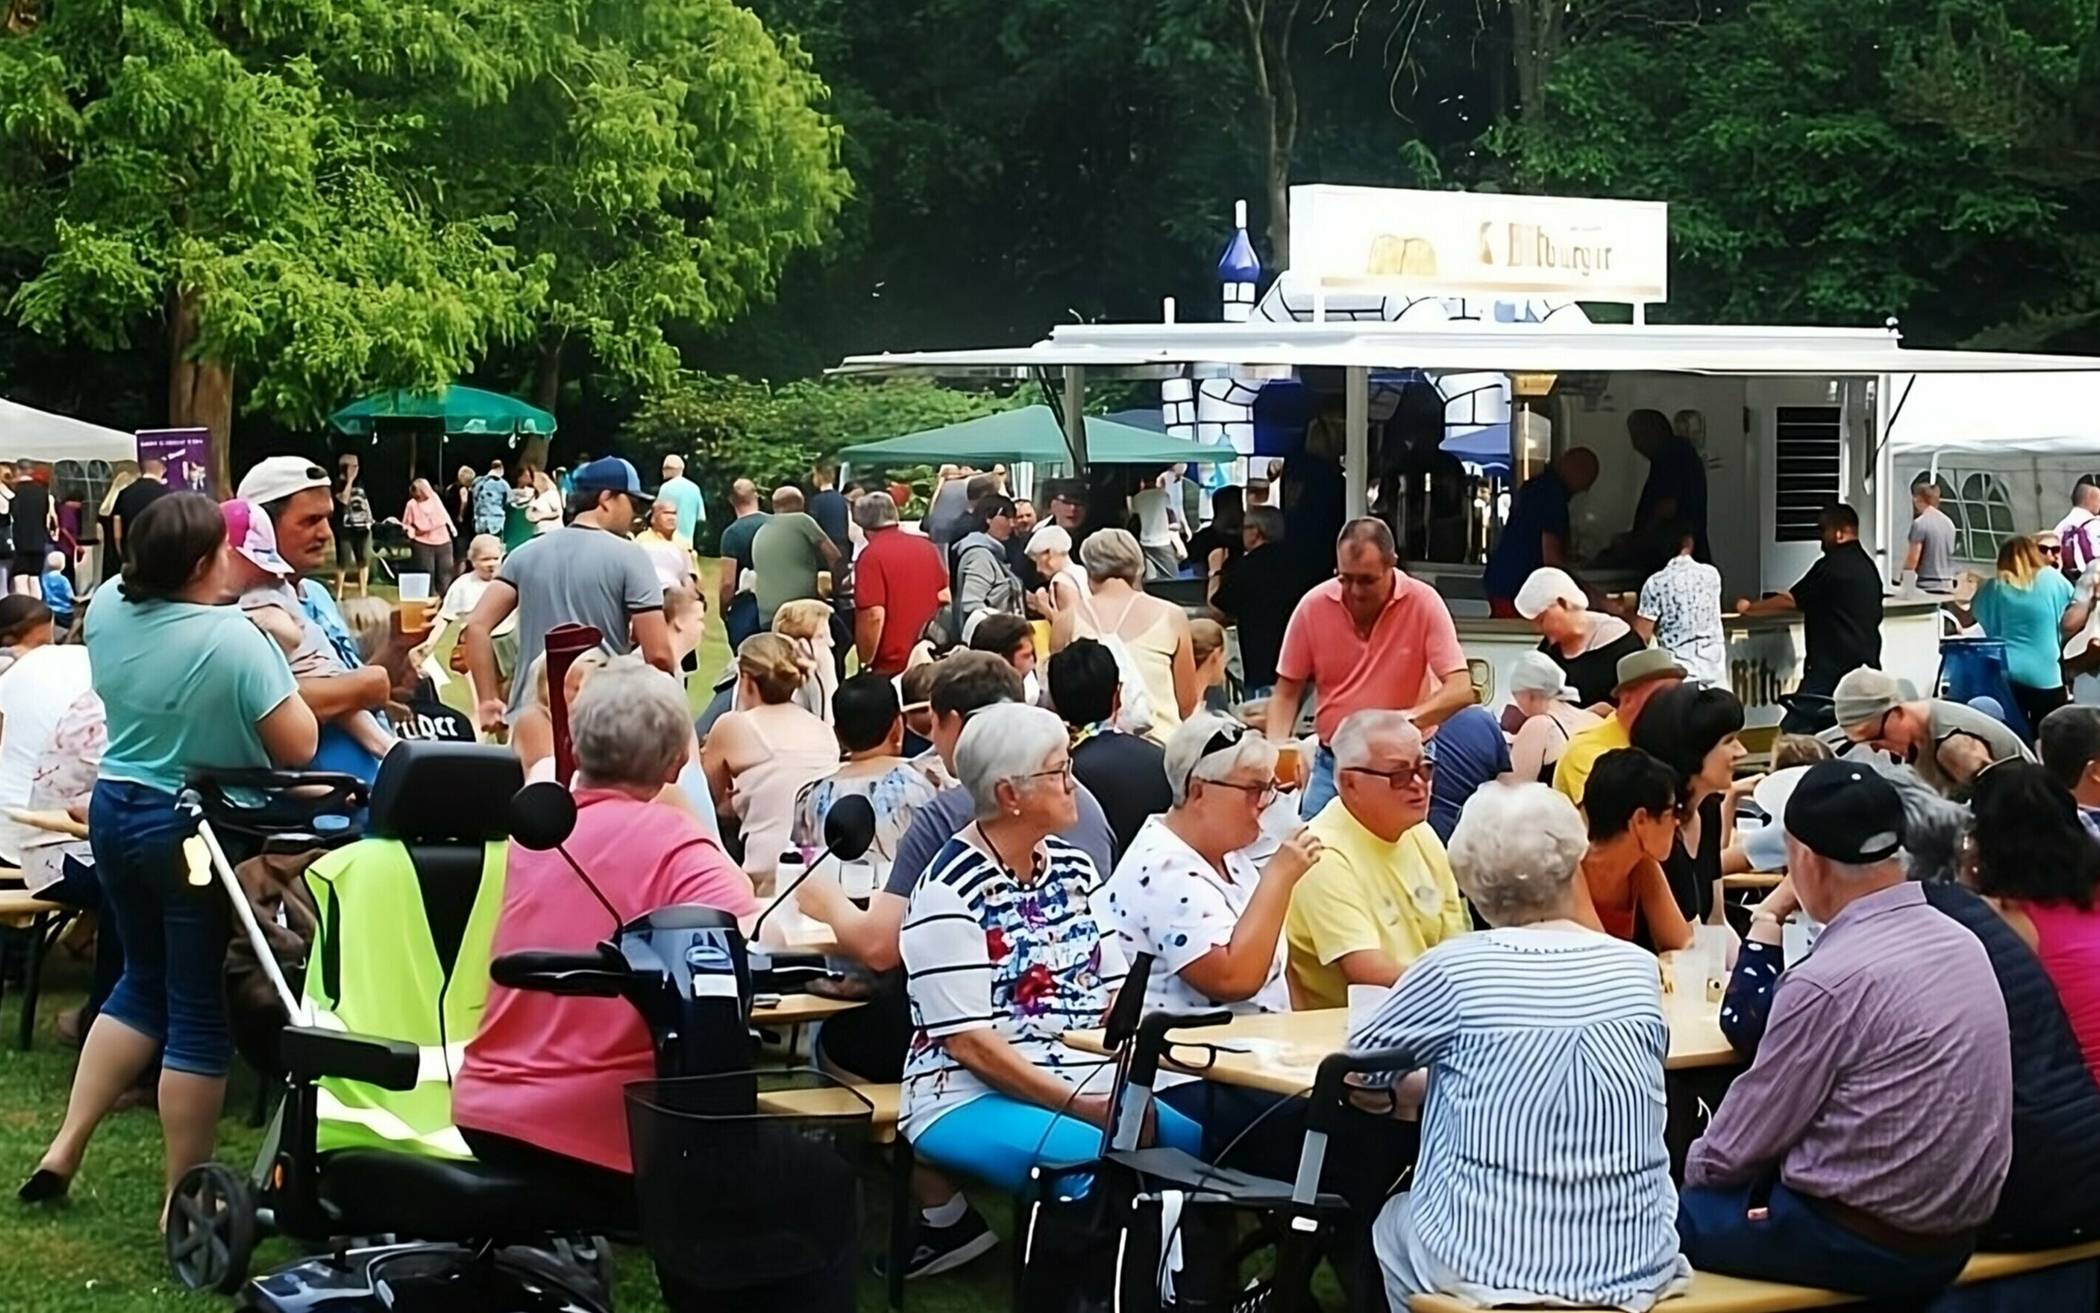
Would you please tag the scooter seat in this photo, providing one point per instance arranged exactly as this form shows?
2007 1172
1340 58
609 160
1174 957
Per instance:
374 1191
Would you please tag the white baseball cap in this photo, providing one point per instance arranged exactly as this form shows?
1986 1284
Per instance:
278 477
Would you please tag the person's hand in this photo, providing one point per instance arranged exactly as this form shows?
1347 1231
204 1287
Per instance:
1295 856
1742 605
1747 785
490 714
1093 1108
1781 902
394 657
1217 558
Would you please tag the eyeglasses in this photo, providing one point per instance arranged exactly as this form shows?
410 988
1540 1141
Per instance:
1063 772
1400 777
1263 793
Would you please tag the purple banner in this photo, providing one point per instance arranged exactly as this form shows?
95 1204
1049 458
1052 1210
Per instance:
187 453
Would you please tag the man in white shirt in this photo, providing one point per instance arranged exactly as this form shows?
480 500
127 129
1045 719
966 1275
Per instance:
2081 542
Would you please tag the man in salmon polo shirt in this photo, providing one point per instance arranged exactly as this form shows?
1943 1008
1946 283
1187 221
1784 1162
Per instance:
1369 637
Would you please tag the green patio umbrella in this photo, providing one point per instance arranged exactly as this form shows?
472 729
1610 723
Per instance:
455 409
1032 433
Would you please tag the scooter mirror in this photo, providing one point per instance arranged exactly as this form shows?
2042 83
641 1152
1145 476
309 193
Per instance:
849 827
540 816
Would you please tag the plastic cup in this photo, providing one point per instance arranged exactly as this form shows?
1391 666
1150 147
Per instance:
415 587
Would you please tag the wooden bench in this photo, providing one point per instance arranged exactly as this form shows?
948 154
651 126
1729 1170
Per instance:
44 920
1713 1293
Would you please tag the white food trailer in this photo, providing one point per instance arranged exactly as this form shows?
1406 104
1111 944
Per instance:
1789 418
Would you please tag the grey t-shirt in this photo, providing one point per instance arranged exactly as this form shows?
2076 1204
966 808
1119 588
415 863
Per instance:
576 575
1952 720
1934 532
943 818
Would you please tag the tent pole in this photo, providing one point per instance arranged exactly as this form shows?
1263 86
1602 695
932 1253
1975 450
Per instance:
1075 417
1356 458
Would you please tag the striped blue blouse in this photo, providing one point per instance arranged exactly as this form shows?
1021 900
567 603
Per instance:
1543 1171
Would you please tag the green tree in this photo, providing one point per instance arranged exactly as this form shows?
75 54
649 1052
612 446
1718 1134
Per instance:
198 169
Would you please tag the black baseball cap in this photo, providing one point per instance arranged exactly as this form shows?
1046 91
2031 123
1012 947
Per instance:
1846 812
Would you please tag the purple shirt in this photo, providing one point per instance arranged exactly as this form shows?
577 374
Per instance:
1884 1081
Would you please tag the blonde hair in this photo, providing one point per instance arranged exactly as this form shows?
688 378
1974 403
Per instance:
541 698
1798 750
484 542
2020 561
127 473
803 618
773 666
368 619
1205 637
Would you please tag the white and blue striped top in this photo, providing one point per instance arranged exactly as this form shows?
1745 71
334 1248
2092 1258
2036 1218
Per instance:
1543 1170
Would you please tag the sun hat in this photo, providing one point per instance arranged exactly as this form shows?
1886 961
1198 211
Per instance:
1546 586
253 536
1650 663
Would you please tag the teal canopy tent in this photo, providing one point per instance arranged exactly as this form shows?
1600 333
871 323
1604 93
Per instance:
455 410
1032 433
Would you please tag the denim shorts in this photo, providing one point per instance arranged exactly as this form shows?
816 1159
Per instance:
174 935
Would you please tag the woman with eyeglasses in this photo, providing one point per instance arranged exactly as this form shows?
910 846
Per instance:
1003 953
1381 894
2023 607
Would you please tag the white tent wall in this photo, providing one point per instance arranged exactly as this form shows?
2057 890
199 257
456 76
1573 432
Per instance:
27 433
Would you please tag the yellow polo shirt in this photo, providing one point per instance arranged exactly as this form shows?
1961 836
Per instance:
1572 775
1366 894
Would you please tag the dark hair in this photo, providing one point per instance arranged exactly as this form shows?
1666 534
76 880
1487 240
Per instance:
971 680
1837 515
1680 725
1083 681
177 533
20 613
2030 843
990 507
1267 521
980 487
1623 782
2068 740
863 711
1000 633
584 499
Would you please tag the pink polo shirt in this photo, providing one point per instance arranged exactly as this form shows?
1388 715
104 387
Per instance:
1412 639
549 1070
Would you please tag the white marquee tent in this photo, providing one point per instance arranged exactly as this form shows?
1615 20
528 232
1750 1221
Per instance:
27 433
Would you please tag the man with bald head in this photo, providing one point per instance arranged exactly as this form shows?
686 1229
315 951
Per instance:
788 552
1382 893
1537 532
682 495
739 600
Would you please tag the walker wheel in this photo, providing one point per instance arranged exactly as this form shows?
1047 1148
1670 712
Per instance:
211 1229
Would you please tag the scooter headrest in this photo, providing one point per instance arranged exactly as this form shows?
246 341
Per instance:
430 791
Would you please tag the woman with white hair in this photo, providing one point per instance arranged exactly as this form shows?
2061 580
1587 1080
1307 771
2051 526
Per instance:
1543 1176
1151 631
1584 644
1064 583
540 1089
1003 954
1538 689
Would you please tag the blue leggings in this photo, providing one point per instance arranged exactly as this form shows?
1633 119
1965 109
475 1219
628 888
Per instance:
995 1139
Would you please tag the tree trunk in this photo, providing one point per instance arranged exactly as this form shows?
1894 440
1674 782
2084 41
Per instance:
200 392
1268 58
546 390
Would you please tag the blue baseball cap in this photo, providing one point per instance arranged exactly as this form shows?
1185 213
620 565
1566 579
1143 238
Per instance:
610 474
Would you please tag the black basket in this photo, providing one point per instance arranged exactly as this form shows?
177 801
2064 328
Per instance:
750 1182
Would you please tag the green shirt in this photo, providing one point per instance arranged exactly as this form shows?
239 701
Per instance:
183 687
784 552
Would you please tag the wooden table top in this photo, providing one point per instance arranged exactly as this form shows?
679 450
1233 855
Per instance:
801 1009
1753 880
1279 1052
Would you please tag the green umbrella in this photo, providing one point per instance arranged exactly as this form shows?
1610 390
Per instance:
457 409
1032 433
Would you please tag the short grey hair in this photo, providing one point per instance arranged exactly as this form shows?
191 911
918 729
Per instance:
1935 828
631 724
1516 851
1266 521
877 510
1185 760
1113 554
1352 741
1002 743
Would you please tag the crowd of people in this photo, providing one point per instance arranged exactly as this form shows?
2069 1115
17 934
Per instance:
1064 776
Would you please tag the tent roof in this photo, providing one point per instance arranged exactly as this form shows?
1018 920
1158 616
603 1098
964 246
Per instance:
460 409
1256 348
1032 433
2027 414
32 434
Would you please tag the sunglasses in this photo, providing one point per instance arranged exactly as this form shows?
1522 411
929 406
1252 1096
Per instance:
1400 777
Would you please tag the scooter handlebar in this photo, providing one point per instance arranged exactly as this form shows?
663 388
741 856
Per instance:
600 973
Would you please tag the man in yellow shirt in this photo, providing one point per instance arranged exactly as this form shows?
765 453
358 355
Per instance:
1381 894
1642 675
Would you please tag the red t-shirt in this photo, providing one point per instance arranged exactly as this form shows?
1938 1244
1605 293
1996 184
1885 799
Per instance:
1412 639
903 574
549 1070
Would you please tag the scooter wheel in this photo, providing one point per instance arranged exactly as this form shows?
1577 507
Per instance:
211 1229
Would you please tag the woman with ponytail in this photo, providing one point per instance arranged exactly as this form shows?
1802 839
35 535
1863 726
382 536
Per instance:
759 756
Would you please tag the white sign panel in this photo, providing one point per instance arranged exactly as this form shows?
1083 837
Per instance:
1471 242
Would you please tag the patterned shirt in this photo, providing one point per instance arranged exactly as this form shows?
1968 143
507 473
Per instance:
1683 600
1543 1171
983 951
896 795
1884 1077
489 493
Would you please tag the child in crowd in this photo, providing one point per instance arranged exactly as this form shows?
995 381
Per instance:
484 555
271 605
685 615
532 732
58 591
1207 645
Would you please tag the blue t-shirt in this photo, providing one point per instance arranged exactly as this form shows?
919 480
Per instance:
2026 620
684 495
337 752
183 687
1541 507
58 592
1469 750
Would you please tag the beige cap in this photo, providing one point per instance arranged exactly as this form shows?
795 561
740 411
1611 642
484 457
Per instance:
1866 693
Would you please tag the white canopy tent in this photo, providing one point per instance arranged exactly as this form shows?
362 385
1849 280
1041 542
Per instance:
2034 414
27 433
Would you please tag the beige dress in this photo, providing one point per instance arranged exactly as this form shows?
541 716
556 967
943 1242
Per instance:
1151 646
798 749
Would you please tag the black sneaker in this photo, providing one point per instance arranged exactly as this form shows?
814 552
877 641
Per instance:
939 1249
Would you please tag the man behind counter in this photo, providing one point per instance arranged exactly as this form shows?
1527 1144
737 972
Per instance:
1674 497
1840 604
1537 531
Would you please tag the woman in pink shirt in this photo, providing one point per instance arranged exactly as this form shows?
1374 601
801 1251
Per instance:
429 535
540 1090
2035 863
